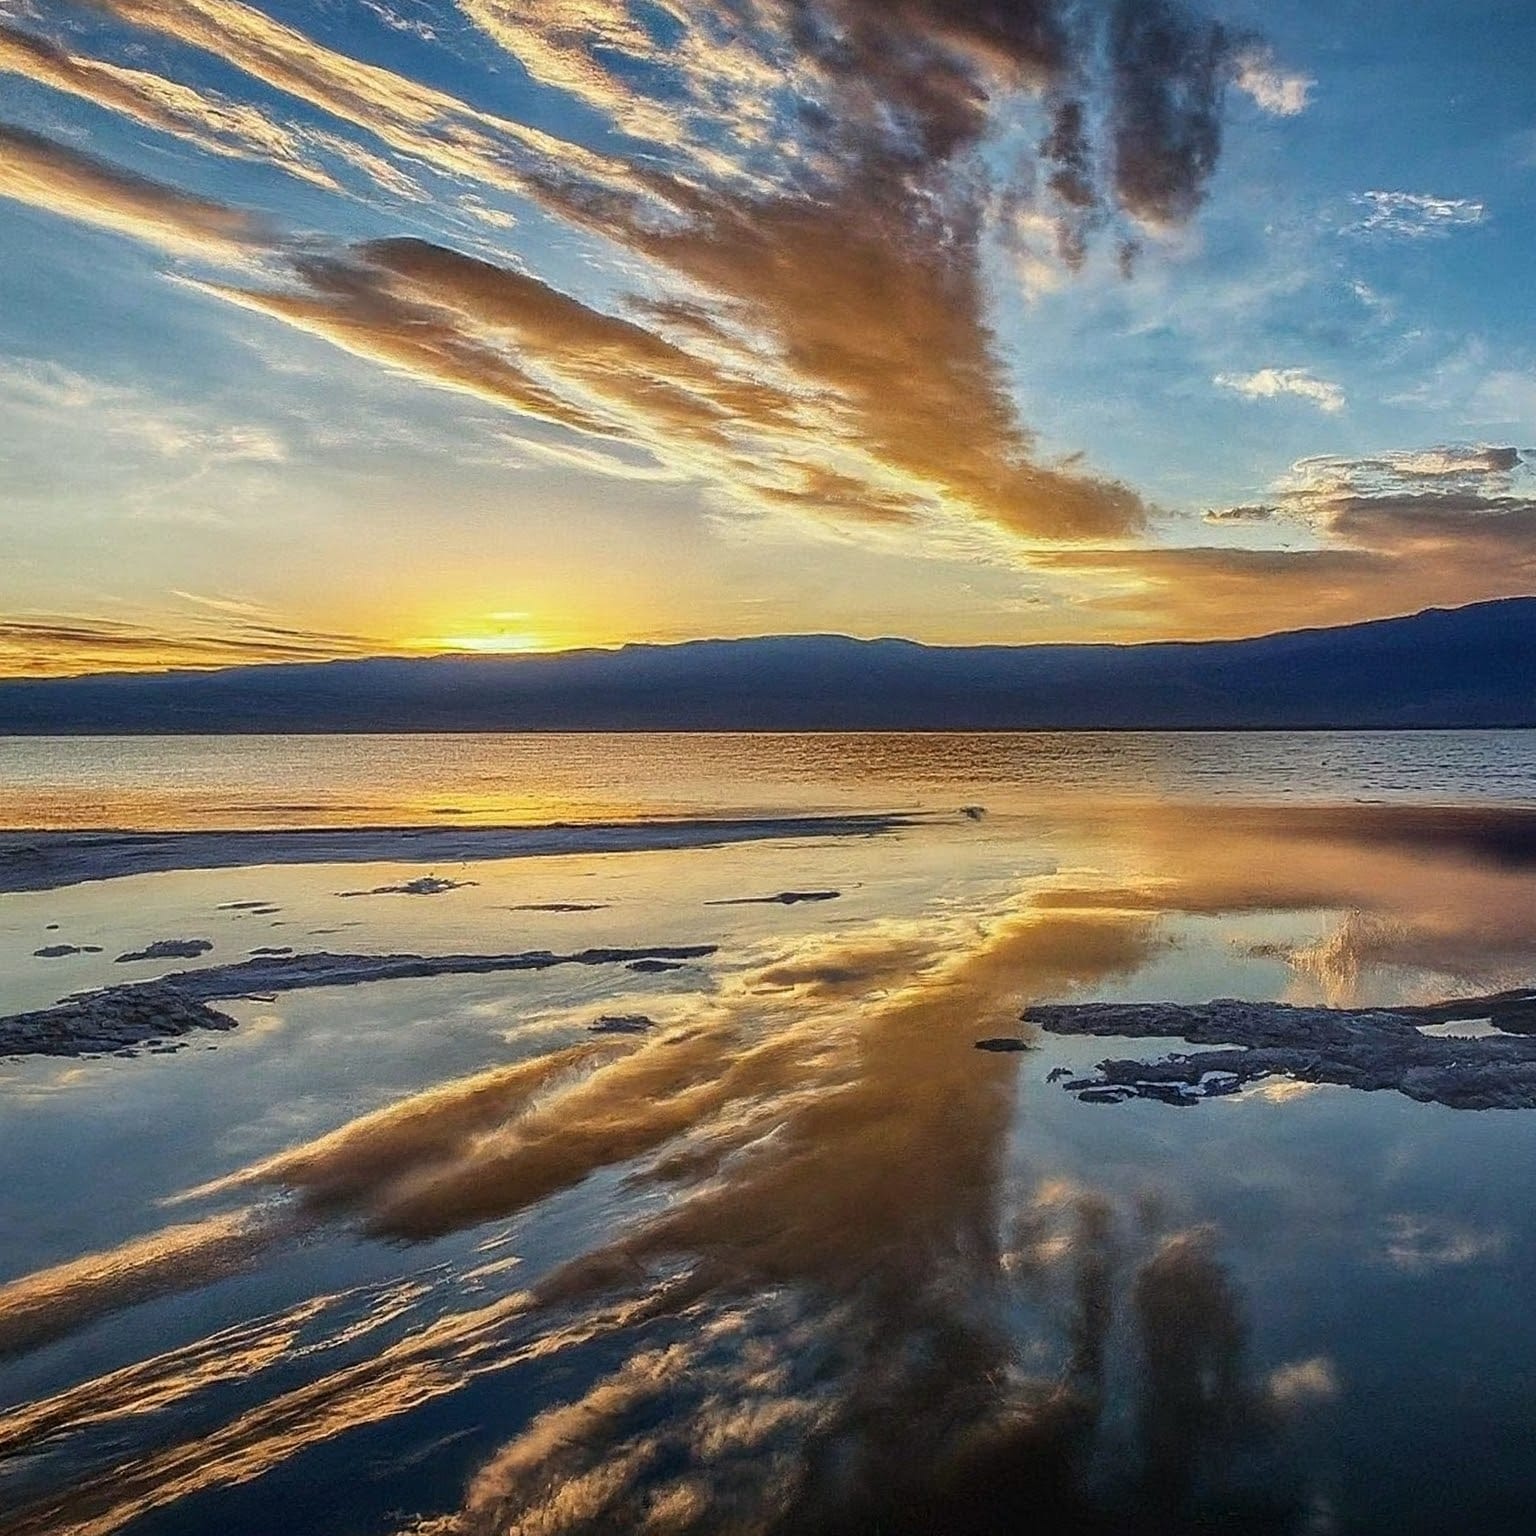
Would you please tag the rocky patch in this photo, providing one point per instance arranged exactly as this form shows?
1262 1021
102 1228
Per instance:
1368 1048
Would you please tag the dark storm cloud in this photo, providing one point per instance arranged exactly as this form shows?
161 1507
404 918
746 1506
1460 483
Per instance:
931 67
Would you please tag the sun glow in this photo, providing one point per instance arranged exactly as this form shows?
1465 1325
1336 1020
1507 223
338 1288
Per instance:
507 643
499 633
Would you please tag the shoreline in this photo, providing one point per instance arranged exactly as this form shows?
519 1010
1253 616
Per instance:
48 860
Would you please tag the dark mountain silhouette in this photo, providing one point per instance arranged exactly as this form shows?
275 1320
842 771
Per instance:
1473 666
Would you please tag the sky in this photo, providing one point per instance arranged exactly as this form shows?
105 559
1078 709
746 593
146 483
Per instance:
398 326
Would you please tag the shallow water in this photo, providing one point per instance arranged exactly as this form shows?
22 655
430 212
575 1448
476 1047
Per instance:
434 1256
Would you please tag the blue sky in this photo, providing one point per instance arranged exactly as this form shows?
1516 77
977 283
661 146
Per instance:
349 327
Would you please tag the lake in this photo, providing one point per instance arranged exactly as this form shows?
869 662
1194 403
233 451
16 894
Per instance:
756 1239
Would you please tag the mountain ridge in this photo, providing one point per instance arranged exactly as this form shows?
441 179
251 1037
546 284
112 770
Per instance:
1440 668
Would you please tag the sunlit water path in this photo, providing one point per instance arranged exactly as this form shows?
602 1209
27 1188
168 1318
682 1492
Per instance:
264 781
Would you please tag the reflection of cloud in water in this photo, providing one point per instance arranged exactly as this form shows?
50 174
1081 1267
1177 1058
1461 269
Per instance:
1340 960
1302 1383
916 1414
1417 1243
831 1255
350 1164
832 1311
42 1306
1432 897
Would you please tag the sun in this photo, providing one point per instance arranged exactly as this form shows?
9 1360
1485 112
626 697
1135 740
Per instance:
507 642
488 634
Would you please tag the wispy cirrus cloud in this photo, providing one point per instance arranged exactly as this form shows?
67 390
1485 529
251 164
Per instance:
229 634
417 122
1414 215
213 122
128 418
240 607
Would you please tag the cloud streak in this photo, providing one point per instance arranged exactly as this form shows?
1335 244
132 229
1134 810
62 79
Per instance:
214 124
45 174
1381 534
62 645
811 330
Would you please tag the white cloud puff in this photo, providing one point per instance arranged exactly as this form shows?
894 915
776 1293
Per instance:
1271 383
1280 92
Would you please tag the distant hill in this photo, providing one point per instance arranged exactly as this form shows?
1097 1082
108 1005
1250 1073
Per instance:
1473 666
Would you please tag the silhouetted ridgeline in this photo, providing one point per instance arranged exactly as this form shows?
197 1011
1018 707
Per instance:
1473 666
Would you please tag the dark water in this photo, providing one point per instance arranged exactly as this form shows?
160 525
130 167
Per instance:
433 1256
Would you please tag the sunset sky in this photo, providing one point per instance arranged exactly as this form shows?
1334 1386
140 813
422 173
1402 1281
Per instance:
362 326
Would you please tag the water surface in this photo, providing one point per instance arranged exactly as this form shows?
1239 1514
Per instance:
436 1256
264 781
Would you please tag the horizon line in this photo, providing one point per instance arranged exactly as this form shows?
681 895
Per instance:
525 655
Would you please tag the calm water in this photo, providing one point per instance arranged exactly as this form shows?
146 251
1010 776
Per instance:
204 781
434 1257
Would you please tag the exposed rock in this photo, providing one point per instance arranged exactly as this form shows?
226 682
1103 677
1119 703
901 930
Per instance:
113 1020
121 1017
1004 1043
423 885
169 949
1369 1048
58 951
621 1024
654 967
560 906
780 898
